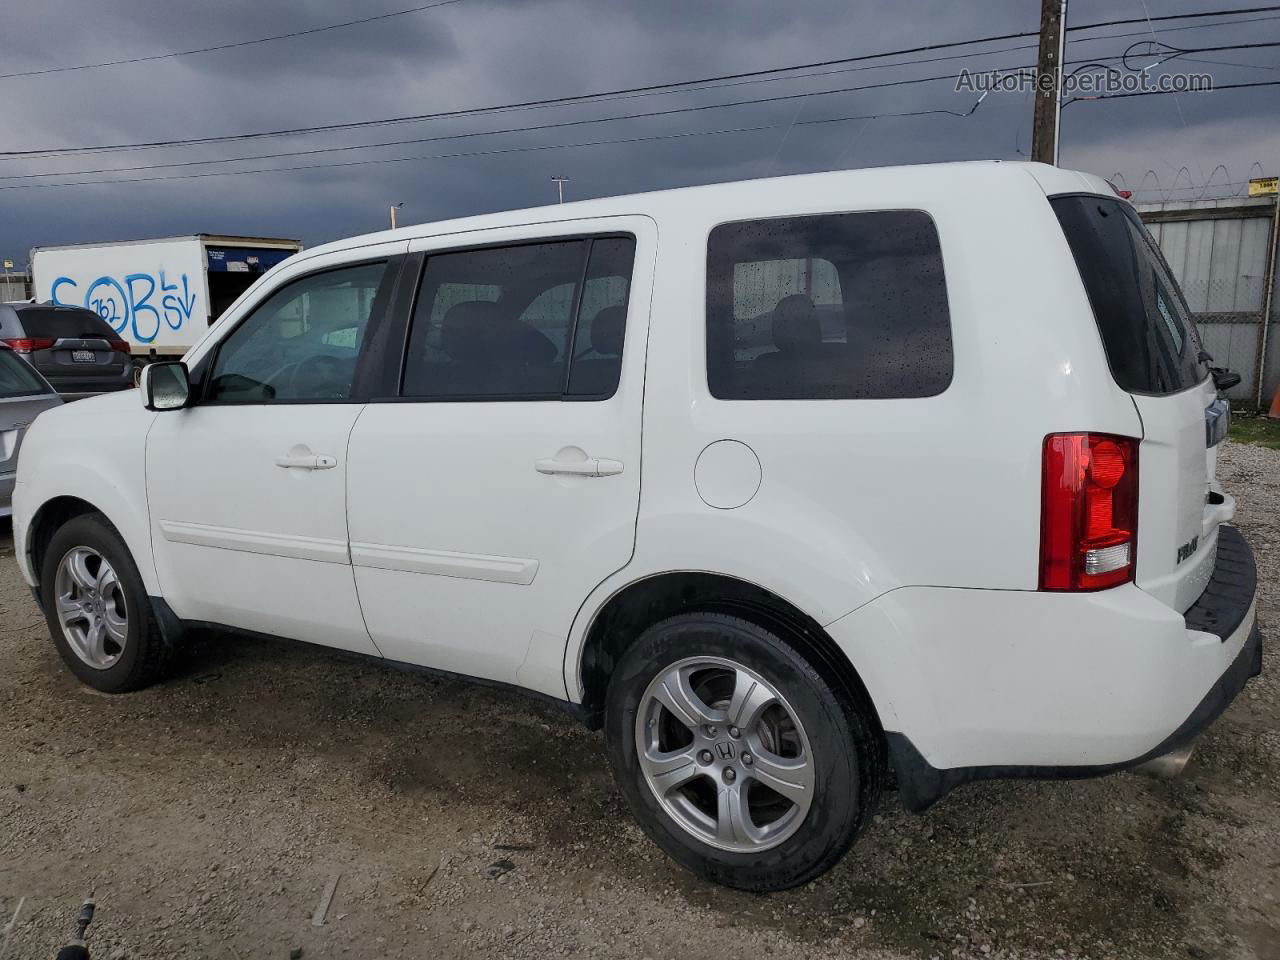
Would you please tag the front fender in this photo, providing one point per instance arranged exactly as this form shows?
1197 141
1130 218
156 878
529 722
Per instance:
93 450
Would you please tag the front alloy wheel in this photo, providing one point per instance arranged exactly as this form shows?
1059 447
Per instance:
97 608
92 609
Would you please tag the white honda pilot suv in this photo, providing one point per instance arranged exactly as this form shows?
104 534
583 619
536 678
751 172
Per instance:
784 483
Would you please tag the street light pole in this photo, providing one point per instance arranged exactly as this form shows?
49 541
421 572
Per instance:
394 208
560 182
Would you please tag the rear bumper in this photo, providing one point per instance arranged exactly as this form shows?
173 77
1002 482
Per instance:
6 493
76 386
920 785
984 684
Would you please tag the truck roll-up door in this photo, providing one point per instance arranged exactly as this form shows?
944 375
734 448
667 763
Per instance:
232 270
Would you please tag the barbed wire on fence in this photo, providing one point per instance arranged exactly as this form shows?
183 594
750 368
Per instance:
1223 188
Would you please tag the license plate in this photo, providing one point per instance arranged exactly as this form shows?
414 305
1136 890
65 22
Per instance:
83 356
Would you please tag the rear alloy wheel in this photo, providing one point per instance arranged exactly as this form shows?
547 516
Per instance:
736 755
97 607
724 754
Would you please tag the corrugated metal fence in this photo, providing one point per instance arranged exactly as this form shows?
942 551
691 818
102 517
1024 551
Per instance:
1222 252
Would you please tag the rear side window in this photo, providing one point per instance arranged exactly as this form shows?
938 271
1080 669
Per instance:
59 324
833 307
1150 339
16 378
536 321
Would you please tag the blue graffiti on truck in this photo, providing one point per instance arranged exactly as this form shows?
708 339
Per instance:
137 305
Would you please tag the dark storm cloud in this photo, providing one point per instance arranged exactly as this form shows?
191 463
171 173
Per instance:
481 52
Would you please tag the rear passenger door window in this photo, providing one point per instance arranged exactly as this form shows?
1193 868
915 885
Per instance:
836 306
534 321
602 318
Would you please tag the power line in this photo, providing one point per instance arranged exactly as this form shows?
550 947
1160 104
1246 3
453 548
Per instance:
674 86
495 152
1155 93
537 127
1230 63
1167 52
575 146
227 46
507 130
544 102
257 41
516 108
529 128
1174 16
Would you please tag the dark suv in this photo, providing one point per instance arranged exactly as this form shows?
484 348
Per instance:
73 348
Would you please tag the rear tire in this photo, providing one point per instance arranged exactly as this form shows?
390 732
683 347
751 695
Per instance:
97 608
707 714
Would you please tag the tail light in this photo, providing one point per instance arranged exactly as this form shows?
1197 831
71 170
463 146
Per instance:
119 345
1089 511
29 344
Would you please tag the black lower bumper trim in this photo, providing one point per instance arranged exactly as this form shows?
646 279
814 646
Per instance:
1229 594
921 785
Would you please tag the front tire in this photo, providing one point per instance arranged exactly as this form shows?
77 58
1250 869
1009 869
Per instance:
736 756
97 608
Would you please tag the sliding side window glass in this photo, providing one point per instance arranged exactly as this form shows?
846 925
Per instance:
832 307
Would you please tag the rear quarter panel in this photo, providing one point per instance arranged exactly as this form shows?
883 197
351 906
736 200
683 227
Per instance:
861 497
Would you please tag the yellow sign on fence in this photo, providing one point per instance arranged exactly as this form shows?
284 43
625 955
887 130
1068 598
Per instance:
1264 186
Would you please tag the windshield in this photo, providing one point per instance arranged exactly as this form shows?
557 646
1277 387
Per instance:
1151 341
17 379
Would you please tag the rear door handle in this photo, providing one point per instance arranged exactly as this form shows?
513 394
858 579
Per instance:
590 467
308 462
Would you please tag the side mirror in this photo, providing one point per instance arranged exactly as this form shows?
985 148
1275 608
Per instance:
165 385
1223 378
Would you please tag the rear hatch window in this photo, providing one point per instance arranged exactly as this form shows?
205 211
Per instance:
16 378
1151 342
63 324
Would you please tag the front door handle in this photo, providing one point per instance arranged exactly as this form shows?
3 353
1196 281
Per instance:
590 467
308 462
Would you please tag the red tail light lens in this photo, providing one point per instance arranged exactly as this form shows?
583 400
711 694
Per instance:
30 344
1088 511
118 345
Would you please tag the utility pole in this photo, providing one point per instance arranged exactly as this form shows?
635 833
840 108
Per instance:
560 182
394 208
1048 89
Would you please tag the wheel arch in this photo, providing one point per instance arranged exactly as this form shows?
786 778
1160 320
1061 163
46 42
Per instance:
641 603
54 513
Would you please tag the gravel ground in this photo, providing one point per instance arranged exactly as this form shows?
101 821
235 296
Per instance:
209 813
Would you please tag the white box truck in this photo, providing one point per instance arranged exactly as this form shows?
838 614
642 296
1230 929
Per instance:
160 295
